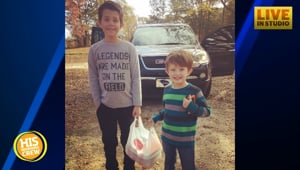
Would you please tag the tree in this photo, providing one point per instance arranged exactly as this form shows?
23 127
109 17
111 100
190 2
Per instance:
158 10
202 15
228 11
80 16
130 21
228 5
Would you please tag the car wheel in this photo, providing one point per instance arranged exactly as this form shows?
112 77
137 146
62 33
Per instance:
206 91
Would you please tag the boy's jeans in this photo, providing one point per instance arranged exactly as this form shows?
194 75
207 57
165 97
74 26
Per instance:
186 154
108 119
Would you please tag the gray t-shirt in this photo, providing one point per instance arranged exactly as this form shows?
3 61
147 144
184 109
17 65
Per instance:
114 74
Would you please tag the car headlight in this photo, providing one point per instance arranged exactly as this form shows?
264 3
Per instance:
200 58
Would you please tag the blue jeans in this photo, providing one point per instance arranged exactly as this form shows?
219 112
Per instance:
186 154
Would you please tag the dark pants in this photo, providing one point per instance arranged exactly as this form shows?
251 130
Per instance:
108 119
186 154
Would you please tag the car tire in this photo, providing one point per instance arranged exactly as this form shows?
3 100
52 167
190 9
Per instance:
206 91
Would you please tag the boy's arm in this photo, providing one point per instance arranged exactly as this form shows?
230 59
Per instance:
136 78
158 116
200 108
93 78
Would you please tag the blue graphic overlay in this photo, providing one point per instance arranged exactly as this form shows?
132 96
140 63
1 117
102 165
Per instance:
266 91
247 37
32 51
57 58
50 122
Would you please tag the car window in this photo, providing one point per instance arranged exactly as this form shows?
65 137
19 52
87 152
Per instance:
223 38
160 35
222 35
97 34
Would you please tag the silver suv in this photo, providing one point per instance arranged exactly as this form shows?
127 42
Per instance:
213 56
155 41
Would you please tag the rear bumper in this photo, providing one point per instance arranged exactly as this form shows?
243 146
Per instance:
200 77
149 88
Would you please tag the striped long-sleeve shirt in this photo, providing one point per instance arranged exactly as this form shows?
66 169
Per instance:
179 123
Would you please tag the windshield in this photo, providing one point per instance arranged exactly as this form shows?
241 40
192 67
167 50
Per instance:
164 35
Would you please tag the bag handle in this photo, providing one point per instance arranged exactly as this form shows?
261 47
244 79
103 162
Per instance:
138 121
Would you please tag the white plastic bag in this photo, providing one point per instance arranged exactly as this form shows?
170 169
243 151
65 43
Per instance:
143 145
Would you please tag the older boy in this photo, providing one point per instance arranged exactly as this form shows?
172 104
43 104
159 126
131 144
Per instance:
115 83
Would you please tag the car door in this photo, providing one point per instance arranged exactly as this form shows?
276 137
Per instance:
97 34
220 46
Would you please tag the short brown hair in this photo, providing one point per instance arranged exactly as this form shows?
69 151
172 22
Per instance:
111 6
181 58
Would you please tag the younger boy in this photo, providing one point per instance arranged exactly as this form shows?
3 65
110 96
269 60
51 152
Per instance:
183 103
115 83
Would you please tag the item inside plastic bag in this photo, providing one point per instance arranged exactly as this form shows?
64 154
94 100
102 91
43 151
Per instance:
143 145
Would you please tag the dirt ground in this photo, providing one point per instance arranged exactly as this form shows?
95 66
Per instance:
215 139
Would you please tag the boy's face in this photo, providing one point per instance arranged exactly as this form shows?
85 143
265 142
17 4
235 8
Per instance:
110 24
178 75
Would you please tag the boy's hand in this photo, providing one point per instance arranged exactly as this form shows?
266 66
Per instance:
186 101
97 106
136 111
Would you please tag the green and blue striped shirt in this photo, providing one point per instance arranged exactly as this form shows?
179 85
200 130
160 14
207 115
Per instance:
179 123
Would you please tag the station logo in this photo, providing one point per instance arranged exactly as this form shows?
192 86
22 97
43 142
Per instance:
30 146
273 18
